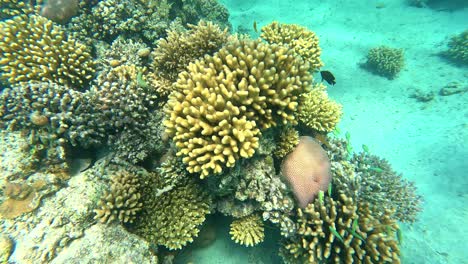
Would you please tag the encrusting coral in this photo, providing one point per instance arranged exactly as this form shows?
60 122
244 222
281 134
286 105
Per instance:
35 49
174 53
247 231
385 61
221 102
317 111
122 202
304 42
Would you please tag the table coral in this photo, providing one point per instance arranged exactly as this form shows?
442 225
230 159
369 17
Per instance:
317 111
247 231
34 49
385 61
220 103
304 42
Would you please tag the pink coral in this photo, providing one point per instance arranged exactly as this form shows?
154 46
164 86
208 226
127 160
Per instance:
307 169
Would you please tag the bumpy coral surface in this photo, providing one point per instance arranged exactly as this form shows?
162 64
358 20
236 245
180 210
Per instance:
247 231
34 49
384 189
303 41
122 202
307 169
222 101
317 111
335 230
288 140
173 220
386 61
174 53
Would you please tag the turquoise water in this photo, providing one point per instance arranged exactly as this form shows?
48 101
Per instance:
417 119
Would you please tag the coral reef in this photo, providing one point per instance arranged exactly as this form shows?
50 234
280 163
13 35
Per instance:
145 20
173 220
21 198
336 230
307 169
34 49
384 189
47 115
304 42
11 8
247 231
317 111
59 11
222 101
288 140
122 52
122 201
385 61
181 47
458 48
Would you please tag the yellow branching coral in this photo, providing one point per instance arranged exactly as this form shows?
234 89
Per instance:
122 201
220 104
174 219
288 140
34 49
319 112
247 231
335 230
179 48
303 41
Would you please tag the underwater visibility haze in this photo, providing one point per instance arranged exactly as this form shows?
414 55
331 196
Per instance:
234 132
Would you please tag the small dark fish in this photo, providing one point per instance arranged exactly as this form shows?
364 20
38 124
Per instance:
328 76
255 26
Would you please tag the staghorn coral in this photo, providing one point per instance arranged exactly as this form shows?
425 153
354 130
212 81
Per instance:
174 53
385 61
288 140
458 48
304 42
247 231
307 170
336 230
219 105
317 111
122 202
173 220
34 49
